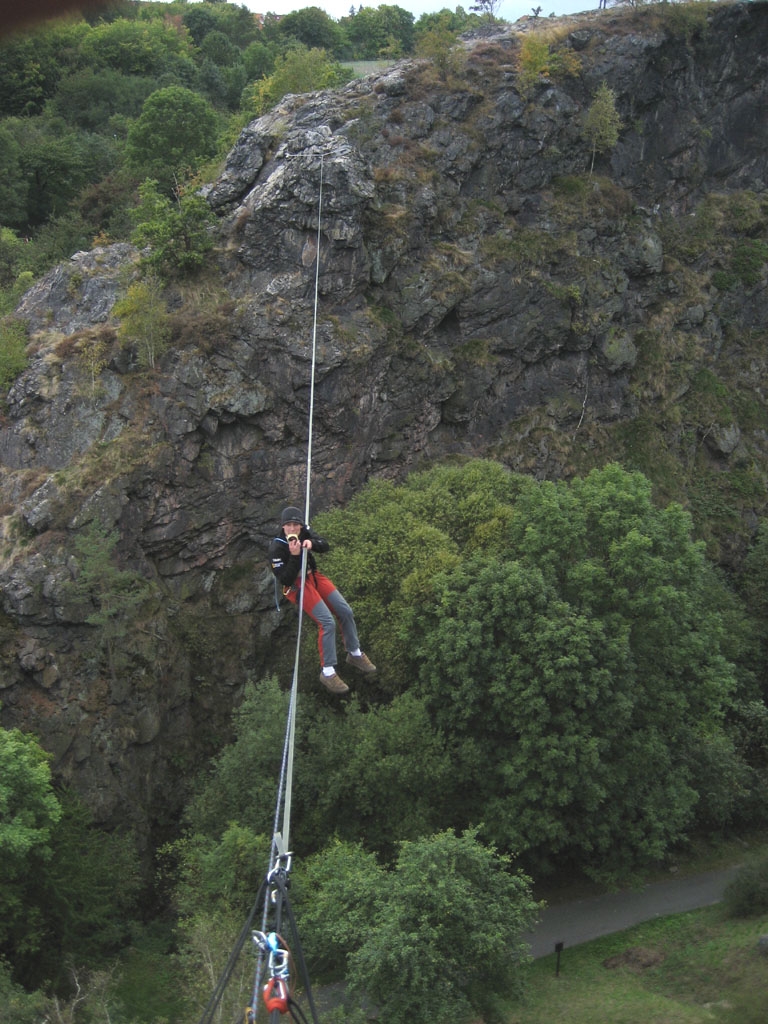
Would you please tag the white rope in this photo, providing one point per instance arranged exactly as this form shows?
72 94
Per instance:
280 840
295 686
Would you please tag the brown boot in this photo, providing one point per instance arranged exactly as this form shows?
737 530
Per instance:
361 662
334 684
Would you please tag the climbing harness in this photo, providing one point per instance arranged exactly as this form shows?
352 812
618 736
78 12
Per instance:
274 960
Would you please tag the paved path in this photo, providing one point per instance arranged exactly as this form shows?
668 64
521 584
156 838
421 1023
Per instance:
587 919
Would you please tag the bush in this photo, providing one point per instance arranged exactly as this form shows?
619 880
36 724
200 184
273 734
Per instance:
18 1006
13 351
336 894
448 924
176 233
747 894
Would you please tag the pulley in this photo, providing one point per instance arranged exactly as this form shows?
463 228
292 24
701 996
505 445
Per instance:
275 995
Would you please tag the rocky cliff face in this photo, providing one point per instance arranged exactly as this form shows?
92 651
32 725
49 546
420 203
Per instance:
480 292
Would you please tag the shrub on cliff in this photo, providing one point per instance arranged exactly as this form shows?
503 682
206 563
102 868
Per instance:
13 351
175 233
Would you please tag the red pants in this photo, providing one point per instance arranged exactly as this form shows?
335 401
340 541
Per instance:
324 604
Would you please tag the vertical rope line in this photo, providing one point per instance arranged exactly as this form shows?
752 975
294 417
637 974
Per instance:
286 767
310 429
314 344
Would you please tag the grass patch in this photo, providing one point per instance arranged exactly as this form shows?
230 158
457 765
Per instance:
362 68
686 969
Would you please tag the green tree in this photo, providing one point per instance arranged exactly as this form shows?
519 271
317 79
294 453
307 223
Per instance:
29 811
150 48
11 253
416 531
456 20
110 595
83 895
259 59
237 23
297 71
396 781
178 232
200 19
177 129
441 45
90 98
14 186
56 240
531 617
602 123
335 892
448 920
144 320
386 30
314 29
19 1006
54 163
13 351
754 587
219 49
222 84
29 73
106 207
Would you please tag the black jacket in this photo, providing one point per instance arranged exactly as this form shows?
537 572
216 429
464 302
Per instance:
287 567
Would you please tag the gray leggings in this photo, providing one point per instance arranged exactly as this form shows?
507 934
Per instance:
324 604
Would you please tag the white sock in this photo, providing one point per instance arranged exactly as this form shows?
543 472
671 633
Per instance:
329 670
357 653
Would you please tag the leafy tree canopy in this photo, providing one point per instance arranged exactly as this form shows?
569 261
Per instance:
28 806
382 30
602 123
563 636
219 49
14 186
314 28
90 98
53 163
448 920
137 47
29 811
177 129
32 64
298 71
81 898
178 231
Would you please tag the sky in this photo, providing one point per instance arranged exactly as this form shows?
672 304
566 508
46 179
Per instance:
507 10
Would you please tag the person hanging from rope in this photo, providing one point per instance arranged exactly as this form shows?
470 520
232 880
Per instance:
322 601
